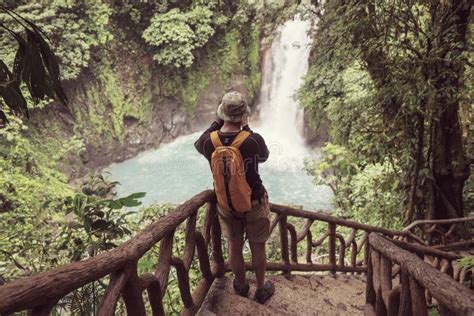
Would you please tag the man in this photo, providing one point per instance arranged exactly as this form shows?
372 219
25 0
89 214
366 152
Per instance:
242 201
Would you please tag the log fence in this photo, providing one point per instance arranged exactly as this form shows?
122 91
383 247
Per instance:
440 231
345 243
419 284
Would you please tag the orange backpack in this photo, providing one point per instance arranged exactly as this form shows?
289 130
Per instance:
228 170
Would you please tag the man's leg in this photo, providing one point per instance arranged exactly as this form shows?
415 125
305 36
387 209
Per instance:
233 231
236 259
258 232
259 261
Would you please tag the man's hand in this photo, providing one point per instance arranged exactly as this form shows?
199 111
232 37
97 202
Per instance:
245 120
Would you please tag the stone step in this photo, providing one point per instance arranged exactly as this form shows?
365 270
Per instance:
305 294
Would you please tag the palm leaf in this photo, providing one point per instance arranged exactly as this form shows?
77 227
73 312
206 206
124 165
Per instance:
10 92
35 64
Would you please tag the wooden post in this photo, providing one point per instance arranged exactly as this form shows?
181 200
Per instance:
154 297
189 241
418 299
206 227
112 294
405 296
332 246
309 247
293 244
385 278
204 263
365 243
380 308
284 245
370 291
132 294
353 254
350 242
44 310
183 283
163 267
393 304
342 250
217 256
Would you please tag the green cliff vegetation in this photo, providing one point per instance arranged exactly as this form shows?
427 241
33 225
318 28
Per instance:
119 64
108 73
395 82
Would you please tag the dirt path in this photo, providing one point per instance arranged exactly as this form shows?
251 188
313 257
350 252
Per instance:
303 295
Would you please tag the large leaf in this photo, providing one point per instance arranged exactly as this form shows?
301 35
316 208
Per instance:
35 64
116 205
51 62
10 91
130 202
137 195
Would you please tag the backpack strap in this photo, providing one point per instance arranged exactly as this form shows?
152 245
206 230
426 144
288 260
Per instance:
240 138
216 142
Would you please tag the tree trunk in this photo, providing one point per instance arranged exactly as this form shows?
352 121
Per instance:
450 165
418 164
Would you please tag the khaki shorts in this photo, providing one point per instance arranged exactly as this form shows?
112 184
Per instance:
255 223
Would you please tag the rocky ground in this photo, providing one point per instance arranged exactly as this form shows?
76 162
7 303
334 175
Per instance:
308 294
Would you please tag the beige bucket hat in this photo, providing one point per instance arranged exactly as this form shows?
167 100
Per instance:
232 107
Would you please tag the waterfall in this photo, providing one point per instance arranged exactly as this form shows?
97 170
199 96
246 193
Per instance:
281 119
175 171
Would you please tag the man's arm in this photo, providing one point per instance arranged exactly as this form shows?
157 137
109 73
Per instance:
199 144
263 152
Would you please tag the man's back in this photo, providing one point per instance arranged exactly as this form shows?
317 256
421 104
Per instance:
253 150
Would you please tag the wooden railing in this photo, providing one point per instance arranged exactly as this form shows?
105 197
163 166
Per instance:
439 231
40 293
346 253
339 247
417 284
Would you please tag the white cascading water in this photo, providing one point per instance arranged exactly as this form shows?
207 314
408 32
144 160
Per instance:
281 118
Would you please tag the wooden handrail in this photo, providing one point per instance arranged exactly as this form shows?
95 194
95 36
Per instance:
441 231
439 222
40 292
324 217
431 251
416 276
26 293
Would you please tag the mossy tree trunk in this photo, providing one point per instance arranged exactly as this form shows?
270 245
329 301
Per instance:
440 149
450 166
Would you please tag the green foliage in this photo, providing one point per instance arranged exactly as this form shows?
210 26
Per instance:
74 30
177 34
466 262
35 66
383 88
96 219
78 226
368 194
115 98
44 221
172 299
366 185
255 77
29 173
